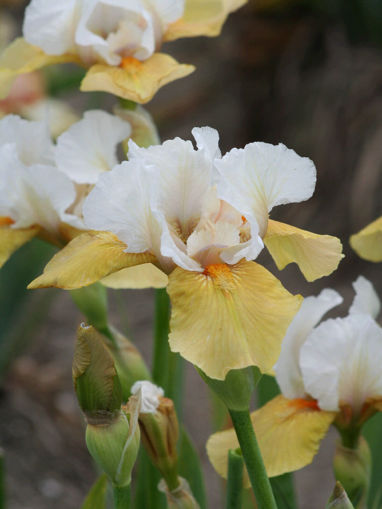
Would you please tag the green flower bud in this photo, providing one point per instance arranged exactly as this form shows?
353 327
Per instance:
237 388
179 498
352 467
92 302
95 377
339 499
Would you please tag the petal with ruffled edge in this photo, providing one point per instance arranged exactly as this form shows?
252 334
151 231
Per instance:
289 433
13 238
368 242
316 255
21 58
87 259
366 300
135 80
140 276
88 148
341 362
202 17
288 372
229 317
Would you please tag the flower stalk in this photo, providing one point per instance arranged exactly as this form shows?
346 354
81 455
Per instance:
235 480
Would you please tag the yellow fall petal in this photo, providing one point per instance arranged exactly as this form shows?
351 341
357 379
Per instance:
202 17
87 259
13 238
140 276
289 434
229 317
135 80
21 57
316 255
368 242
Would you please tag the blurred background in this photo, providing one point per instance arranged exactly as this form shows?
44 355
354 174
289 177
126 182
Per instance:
306 73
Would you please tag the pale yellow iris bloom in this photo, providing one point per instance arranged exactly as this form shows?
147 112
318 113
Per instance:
368 242
201 218
327 374
117 42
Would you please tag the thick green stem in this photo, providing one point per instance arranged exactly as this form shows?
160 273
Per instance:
122 497
250 449
161 348
235 480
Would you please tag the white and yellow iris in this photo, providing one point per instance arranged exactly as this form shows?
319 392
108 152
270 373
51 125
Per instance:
118 40
181 210
327 373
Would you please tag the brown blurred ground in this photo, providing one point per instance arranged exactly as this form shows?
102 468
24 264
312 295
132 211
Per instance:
288 78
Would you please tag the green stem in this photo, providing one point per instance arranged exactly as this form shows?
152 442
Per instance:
2 481
235 480
250 449
161 348
121 497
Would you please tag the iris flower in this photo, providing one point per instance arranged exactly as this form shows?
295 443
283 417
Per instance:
118 41
201 219
327 373
368 242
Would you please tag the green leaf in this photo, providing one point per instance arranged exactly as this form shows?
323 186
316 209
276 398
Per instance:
96 498
372 431
190 468
147 478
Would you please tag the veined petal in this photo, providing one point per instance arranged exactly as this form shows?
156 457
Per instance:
88 148
139 276
261 176
341 362
20 58
366 299
13 238
207 140
87 259
136 80
368 242
316 255
289 433
202 17
288 372
229 317
168 10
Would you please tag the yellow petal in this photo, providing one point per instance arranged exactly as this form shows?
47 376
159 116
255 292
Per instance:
202 17
136 80
289 434
316 255
87 259
140 276
229 317
368 242
20 58
13 238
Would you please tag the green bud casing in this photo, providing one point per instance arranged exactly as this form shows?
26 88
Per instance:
179 498
339 499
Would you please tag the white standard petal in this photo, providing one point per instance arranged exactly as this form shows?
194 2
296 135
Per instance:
168 11
341 362
32 139
366 299
89 147
50 25
119 204
150 395
260 176
287 368
207 140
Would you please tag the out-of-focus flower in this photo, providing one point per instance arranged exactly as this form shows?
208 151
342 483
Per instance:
327 374
117 41
368 242
182 210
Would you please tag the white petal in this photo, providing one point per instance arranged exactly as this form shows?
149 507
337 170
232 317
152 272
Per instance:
88 148
150 395
366 299
207 140
341 362
51 24
168 10
288 373
260 176
33 143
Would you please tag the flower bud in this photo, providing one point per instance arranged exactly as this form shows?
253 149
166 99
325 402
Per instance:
92 302
339 499
144 133
180 497
352 467
237 388
159 430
